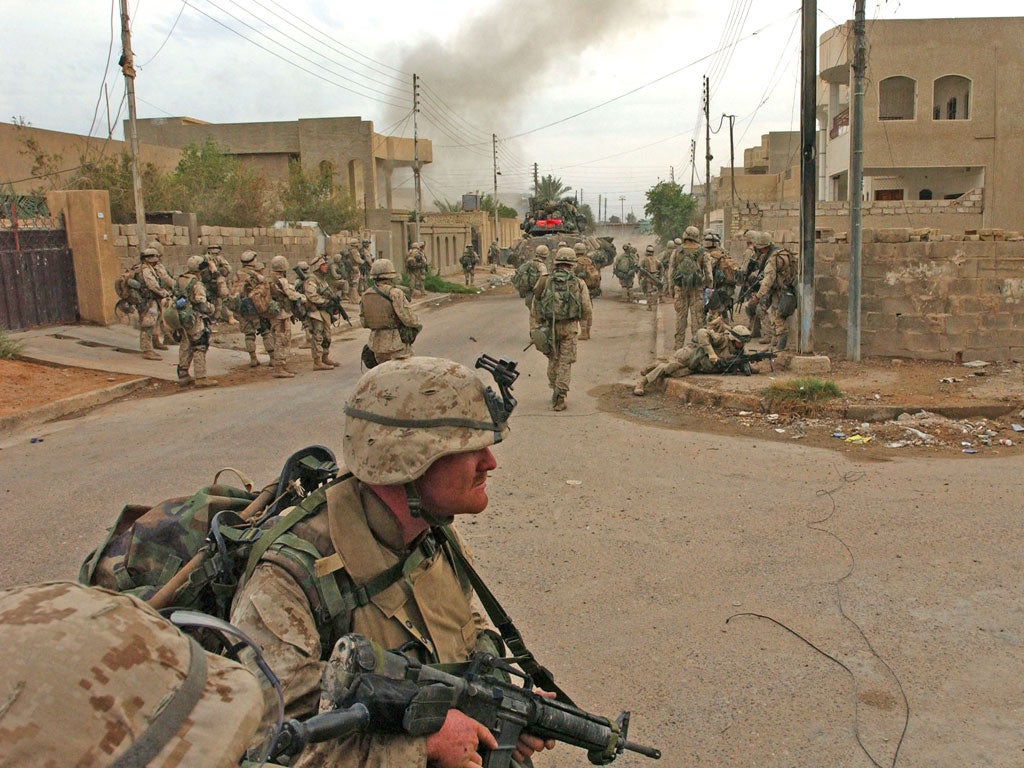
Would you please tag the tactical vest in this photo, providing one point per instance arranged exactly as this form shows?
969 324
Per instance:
378 311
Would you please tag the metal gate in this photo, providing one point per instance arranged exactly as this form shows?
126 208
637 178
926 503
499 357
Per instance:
37 275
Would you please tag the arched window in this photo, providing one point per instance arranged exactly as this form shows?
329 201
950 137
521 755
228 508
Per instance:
897 98
951 99
924 194
326 170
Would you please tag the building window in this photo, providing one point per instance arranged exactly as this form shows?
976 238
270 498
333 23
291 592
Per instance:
897 98
951 98
326 170
890 195
924 194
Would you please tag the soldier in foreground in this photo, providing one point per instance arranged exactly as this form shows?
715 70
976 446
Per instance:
193 311
560 302
96 678
416 438
710 346
384 310
156 285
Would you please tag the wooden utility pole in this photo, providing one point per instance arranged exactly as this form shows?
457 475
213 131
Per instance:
494 148
128 69
808 170
856 184
707 150
415 153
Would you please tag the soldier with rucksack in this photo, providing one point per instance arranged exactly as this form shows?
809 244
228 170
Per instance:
588 272
251 297
776 294
469 261
724 270
290 305
190 316
416 265
156 285
528 273
624 268
561 302
690 272
217 278
319 314
648 276
384 309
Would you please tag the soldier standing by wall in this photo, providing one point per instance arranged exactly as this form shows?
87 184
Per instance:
560 301
288 301
194 312
217 276
469 261
337 274
493 254
318 314
383 309
250 322
691 274
156 286
416 264
776 283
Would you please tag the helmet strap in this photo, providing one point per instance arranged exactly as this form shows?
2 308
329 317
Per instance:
412 497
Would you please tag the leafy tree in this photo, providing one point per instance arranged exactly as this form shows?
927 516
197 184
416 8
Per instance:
670 209
219 188
614 219
631 218
504 211
114 174
586 217
549 189
447 206
314 197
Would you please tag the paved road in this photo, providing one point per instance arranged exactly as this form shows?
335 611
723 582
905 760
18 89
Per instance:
622 548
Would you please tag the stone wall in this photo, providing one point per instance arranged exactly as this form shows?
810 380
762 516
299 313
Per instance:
946 300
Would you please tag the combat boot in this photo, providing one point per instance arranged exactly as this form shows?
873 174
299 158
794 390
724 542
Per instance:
639 390
159 344
149 354
183 378
280 372
318 364
782 341
327 360
205 382
559 403
253 360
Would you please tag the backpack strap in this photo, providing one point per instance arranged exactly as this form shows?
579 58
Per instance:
502 621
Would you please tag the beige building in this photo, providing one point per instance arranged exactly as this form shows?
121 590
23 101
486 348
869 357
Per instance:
942 113
360 160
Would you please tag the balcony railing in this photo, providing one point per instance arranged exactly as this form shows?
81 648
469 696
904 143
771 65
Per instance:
840 124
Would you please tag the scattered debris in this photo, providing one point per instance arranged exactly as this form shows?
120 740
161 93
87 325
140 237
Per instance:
951 380
574 482
976 364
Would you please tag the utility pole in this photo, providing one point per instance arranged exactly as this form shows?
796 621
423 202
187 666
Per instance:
707 151
856 184
808 170
622 214
494 147
128 69
598 208
415 153
732 164
672 174
693 162
536 181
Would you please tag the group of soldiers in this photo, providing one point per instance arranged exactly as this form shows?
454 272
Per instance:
267 304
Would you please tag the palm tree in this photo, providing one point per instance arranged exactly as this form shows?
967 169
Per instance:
549 189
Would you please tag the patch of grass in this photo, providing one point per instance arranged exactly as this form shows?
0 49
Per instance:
803 390
9 349
436 284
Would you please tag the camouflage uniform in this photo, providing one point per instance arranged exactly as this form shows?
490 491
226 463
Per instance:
88 673
647 285
588 272
624 269
195 333
251 323
216 278
156 286
767 298
710 345
366 260
287 298
384 310
563 346
416 264
493 254
689 300
363 528
356 278
469 261
318 319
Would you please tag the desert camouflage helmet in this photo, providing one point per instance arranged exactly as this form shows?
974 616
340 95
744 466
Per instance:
761 240
383 268
404 415
353 241
678 241
279 264
542 250
565 256
710 234
93 675
317 261
579 248
247 257
691 233
214 247
303 265
149 253
740 333
194 263
649 249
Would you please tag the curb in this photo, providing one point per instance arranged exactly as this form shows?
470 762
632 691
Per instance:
69 406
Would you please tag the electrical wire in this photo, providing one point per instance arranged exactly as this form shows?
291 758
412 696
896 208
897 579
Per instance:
171 32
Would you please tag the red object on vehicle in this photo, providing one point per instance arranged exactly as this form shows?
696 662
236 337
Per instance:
549 222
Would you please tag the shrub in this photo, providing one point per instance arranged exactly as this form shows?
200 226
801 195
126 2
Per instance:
802 390
9 348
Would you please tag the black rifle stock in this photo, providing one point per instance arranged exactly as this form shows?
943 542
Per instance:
652 277
741 363
483 692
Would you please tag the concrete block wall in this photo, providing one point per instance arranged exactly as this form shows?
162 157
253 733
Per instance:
946 300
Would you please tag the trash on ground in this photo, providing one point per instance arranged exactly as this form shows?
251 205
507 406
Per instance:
858 439
1017 427
745 413
951 380
35 440
780 430
968 450
840 435
1005 441
772 417
574 482
976 364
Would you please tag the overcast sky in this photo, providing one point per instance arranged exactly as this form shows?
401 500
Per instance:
604 94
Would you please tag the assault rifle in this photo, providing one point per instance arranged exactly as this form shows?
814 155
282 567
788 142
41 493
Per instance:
334 309
388 683
651 276
741 363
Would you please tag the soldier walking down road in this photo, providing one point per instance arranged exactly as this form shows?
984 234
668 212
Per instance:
493 254
416 264
319 317
469 260
624 268
587 271
528 273
560 302
647 278
384 310
253 306
193 312
290 303
156 285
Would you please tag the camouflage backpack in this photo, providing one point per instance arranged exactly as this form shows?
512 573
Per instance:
624 267
525 277
687 272
785 267
128 286
561 297
726 270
